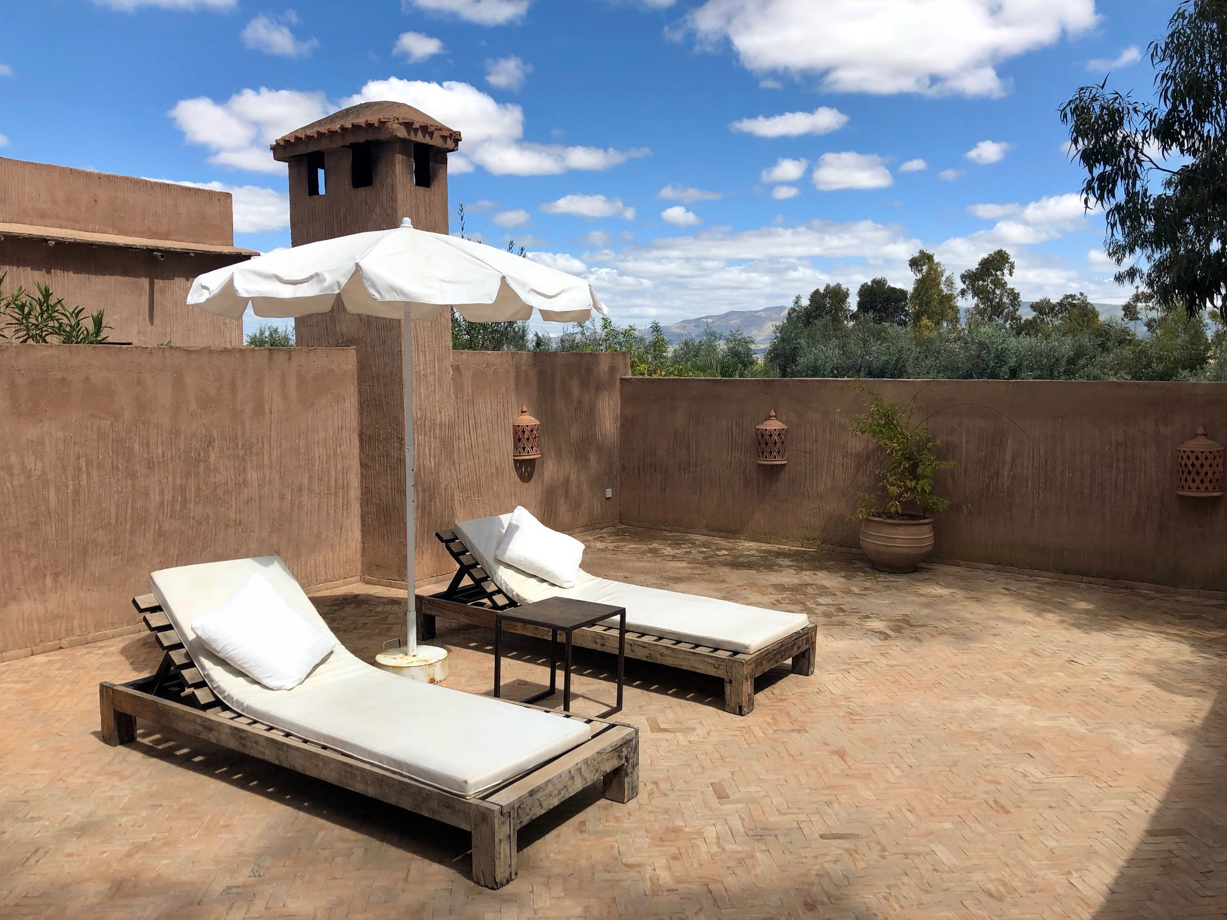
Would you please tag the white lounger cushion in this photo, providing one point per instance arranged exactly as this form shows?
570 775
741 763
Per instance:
684 617
456 741
530 546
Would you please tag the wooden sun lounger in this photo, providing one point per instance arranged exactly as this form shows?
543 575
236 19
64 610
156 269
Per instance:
473 596
176 697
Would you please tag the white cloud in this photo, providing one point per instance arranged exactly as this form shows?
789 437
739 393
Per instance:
1098 260
784 170
239 130
511 220
1130 55
481 12
129 5
256 209
822 120
916 165
274 36
889 46
851 170
415 47
987 152
770 83
717 269
4 140
507 73
949 175
560 261
784 192
1017 225
680 217
493 132
687 195
596 239
6 70
589 206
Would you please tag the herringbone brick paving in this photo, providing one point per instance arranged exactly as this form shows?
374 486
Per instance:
972 745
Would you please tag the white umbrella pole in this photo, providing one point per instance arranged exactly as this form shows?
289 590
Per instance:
418 662
411 616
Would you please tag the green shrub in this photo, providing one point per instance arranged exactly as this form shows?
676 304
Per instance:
272 337
43 318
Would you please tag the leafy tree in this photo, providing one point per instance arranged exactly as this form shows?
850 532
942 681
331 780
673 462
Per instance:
1165 225
271 337
1072 314
993 299
932 302
1177 348
508 336
829 303
877 301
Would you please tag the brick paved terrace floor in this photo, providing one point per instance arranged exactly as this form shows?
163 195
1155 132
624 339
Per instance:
972 744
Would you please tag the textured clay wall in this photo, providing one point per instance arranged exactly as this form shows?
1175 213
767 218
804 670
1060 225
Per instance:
1065 477
576 399
120 461
143 297
78 199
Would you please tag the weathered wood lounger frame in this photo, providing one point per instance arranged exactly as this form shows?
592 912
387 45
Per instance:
476 601
176 697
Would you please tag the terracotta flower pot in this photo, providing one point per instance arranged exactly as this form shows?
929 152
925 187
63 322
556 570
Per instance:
896 544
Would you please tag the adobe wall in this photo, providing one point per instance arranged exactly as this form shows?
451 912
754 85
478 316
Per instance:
142 297
120 461
79 199
1065 477
576 399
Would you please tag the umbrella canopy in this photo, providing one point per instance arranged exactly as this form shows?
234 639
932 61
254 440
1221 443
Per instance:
386 272
404 274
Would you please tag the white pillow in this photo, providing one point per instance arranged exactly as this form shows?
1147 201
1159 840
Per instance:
257 631
532 547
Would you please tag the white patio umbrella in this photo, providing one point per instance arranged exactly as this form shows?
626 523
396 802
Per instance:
402 273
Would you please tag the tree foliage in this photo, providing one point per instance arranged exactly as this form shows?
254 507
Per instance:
878 301
271 337
932 303
993 298
1159 170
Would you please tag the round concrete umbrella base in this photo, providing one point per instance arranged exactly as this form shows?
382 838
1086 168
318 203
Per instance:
428 663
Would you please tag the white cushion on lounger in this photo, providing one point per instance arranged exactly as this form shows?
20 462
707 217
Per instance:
684 617
456 741
256 630
530 546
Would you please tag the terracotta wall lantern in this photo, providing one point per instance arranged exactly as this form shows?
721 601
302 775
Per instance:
772 441
525 436
1200 462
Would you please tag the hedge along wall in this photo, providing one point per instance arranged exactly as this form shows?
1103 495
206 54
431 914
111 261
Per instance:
121 460
1065 477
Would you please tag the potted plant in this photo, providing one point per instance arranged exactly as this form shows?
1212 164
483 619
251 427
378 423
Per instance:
897 534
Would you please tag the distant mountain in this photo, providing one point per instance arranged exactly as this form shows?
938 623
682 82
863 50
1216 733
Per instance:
757 324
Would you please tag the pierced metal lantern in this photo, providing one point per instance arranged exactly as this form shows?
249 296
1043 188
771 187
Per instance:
1200 462
525 436
772 441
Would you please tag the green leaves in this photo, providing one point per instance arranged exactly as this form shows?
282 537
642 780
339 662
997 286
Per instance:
42 318
910 459
271 337
1160 171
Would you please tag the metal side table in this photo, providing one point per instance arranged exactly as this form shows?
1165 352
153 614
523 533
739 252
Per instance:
565 615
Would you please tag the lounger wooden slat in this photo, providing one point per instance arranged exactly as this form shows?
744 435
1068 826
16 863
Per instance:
494 816
472 601
156 621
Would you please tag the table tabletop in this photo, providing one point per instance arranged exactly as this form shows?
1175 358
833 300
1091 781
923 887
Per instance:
564 613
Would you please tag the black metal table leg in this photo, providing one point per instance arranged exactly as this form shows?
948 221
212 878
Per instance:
498 635
621 666
566 677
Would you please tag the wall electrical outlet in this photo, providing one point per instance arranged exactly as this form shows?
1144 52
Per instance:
609 493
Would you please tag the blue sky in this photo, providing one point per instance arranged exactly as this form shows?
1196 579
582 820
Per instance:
688 156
